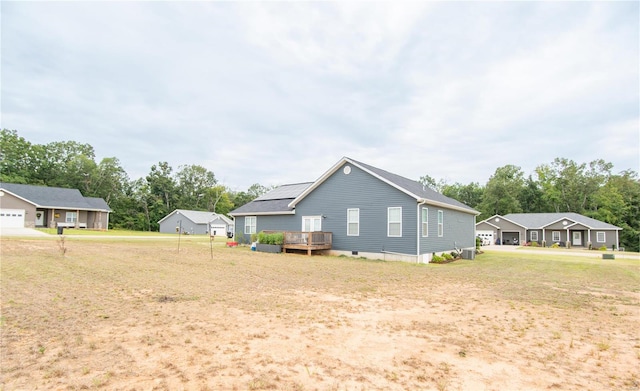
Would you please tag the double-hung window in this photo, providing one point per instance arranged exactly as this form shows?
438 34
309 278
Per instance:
353 222
71 217
250 223
440 223
555 236
394 221
601 237
534 236
425 222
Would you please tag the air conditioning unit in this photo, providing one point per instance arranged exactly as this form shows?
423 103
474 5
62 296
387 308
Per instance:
469 254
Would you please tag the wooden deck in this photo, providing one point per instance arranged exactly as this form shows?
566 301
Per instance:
309 241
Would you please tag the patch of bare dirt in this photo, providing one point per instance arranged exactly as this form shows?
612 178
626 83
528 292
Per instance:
143 317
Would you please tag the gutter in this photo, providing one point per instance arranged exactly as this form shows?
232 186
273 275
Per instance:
447 206
419 215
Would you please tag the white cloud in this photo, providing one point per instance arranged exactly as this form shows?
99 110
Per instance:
278 92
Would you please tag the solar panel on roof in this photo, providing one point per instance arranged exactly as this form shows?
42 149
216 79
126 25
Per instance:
284 192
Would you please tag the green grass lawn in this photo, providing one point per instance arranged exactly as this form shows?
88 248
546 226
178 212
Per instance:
89 232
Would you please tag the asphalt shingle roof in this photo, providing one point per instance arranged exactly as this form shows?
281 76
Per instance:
539 220
55 197
199 217
414 187
274 201
278 200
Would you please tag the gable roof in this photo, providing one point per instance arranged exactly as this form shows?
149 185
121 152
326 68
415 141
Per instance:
275 201
197 217
541 220
55 197
410 187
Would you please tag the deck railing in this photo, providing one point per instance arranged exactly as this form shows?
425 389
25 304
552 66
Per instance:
307 241
308 238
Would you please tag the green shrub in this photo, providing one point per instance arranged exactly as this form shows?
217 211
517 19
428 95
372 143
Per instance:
447 256
478 243
555 245
436 259
603 248
534 244
271 238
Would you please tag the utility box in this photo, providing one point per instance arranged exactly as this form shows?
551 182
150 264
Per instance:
608 256
469 254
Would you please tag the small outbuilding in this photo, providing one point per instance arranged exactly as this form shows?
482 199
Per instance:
193 222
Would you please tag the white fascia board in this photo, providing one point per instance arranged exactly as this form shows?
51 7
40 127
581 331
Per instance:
447 206
264 213
167 216
576 223
335 168
511 221
22 198
486 222
71 208
318 182
555 221
490 223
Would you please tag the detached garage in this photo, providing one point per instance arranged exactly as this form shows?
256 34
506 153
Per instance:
12 218
193 222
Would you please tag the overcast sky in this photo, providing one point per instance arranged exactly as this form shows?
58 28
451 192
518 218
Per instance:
274 93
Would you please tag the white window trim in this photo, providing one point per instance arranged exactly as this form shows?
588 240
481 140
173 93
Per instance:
604 237
319 218
425 232
534 236
389 222
250 228
71 217
553 236
440 223
357 222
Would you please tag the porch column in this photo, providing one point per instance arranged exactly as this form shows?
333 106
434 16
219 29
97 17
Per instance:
77 219
568 243
52 223
589 238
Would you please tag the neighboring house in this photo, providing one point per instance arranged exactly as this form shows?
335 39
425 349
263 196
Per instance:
41 206
370 212
195 223
548 228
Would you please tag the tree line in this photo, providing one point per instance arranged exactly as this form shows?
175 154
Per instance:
563 185
137 204
590 189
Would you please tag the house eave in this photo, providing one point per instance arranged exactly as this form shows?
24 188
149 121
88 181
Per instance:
447 206
262 213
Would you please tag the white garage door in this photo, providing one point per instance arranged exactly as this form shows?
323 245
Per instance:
486 236
219 229
12 218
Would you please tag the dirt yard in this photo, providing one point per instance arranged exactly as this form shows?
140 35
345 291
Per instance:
126 314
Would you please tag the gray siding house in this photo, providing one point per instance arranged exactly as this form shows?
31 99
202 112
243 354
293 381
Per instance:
566 229
195 222
370 212
33 206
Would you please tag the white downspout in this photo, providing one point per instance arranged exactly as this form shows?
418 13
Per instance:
419 219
